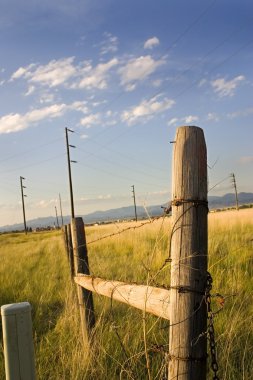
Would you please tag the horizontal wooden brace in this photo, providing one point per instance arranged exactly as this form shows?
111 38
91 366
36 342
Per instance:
151 299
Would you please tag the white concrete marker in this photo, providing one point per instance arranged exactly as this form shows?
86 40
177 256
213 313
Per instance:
18 341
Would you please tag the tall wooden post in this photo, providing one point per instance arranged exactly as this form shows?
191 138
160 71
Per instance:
70 251
188 313
81 265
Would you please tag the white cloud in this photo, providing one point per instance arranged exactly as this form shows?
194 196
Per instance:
30 90
173 121
16 122
212 117
47 97
80 106
97 77
89 121
186 120
84 136
190 119
20 72
242 113
49 112
54 73
138 69
109 45
151 42
226 88
146 110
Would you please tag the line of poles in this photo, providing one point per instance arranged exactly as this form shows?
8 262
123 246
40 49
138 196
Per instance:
69 161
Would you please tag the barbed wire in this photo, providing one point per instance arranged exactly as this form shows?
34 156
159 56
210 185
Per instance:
220 299
150 221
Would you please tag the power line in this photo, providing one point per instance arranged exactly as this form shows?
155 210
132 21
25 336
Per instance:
120 165
135 211
34 164
30 150
181 35
232 175
218 183
69 171
115 175
23 201
56 216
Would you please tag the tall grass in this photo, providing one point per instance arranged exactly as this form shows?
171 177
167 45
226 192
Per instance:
34 268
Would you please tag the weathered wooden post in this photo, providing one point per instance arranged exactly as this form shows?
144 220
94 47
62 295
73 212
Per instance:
188 313
65 237
70 251
81 265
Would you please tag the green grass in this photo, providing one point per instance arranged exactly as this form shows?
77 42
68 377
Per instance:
34 268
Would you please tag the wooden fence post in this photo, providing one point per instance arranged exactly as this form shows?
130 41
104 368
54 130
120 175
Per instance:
81 265
70 251
188 313
65 237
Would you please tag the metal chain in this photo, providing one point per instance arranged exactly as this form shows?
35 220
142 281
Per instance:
210 330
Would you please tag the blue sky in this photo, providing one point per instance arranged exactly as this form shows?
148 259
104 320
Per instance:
123 75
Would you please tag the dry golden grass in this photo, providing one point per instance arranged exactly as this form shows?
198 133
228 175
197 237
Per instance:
35 268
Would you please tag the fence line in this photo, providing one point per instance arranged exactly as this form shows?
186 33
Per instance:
150 221
187 300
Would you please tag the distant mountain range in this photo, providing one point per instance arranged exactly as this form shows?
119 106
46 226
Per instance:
227 200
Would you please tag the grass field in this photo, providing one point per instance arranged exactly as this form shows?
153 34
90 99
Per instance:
34 268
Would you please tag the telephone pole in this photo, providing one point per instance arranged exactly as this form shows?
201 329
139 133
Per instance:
235 188
61 209
133 191
56 215
69 171
23 201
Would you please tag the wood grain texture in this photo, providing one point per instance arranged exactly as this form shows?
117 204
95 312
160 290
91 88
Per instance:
188 316
81 265
153 300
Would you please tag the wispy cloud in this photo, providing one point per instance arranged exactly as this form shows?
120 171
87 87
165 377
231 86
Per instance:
90 120
146 110
97 77
138 69
173 121
30 90
15 122
241 113
109 44
185 120
55 73
225 87
190 119
212 117
151 42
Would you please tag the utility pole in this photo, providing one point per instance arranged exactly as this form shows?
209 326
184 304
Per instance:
133 191
56 215
61 209
23 201
235 188
69 170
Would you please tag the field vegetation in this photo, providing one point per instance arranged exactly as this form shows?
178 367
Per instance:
35 268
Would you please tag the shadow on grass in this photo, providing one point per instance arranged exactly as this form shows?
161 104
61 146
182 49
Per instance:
45 317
